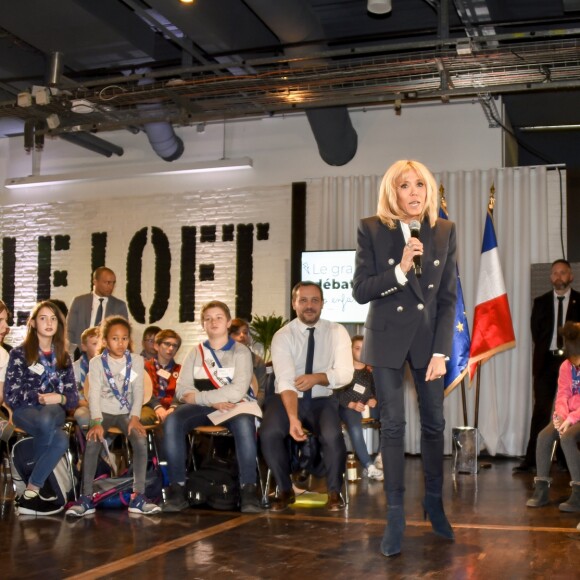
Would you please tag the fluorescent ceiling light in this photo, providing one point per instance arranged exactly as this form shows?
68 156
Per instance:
59 179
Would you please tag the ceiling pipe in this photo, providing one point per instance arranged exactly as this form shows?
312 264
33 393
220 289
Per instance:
293 21
161 135
93 143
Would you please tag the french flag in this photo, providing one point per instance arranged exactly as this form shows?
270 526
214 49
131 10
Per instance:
493 330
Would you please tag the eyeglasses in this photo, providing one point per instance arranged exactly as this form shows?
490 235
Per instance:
149 340
170 344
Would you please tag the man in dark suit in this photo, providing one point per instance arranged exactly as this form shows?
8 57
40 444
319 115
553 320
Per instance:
89 309
548 351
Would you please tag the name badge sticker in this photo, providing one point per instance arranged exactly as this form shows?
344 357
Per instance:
164 374
359 389
36 368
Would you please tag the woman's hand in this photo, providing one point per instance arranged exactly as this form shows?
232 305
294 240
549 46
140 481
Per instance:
414 247
557 420
224 406
372 403
50 399
436 368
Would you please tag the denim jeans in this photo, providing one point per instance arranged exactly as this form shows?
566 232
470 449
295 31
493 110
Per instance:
353 420
389 384
45 424
186 418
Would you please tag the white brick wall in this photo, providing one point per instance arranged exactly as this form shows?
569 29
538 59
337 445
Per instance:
122 218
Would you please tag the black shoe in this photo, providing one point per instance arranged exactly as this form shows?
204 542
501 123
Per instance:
284 499
393 534
524 467
175 500
335 502
250 504
37 506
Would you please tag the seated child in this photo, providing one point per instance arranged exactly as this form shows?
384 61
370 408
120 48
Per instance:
352 400
90 344
115 400
216 374
564 427
164 372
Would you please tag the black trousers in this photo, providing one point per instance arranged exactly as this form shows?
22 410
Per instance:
320 416
545 388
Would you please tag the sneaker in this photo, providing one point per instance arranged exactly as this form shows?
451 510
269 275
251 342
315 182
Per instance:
379 462
175 500
141 505
82 507
250 504
36 505
373 472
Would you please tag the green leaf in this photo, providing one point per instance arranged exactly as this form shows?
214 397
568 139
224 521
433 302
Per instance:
263 329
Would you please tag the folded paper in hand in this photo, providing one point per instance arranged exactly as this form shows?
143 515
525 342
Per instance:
243 408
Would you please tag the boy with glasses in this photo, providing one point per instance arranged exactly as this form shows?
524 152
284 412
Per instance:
163 371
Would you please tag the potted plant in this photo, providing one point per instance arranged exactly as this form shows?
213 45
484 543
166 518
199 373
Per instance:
263 328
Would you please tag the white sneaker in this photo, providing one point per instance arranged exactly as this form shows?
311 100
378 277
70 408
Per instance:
379 462
374 473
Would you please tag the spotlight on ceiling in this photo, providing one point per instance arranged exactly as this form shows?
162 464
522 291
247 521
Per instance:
379 6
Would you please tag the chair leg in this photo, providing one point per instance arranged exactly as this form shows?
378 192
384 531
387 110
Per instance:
266 490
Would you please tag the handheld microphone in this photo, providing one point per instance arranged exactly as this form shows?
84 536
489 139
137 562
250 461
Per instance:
415 228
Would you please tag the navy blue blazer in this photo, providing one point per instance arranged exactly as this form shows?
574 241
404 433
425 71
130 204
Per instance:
416 319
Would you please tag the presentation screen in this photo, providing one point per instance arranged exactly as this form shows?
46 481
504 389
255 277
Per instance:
333 270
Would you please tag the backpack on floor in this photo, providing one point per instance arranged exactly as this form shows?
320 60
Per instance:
214 484
59 483
115 492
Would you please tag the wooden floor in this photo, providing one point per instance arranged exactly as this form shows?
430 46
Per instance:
497 537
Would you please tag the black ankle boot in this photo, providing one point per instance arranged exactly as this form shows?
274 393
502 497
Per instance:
393 535
433 506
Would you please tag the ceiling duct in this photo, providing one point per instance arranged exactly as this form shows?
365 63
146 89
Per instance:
293 21
161 135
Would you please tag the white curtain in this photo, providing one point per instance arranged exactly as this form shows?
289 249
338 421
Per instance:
336 204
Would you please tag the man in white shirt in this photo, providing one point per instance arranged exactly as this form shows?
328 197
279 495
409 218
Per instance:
90 309
303 393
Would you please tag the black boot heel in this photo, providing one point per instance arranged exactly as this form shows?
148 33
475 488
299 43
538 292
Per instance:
433 507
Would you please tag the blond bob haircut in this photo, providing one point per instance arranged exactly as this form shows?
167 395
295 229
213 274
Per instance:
388 209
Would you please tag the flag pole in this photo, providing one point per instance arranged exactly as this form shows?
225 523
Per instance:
490 206
464 401
443 203
477 383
